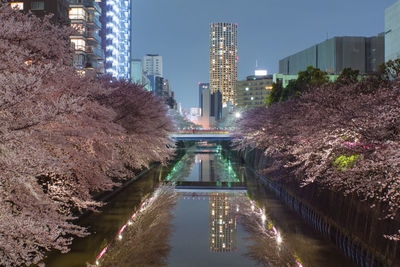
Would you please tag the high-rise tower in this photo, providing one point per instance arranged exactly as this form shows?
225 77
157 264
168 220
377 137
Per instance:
117 37
223 59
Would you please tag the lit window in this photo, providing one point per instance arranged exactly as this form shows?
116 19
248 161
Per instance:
79 44
77 13
18 5
37 5
79 27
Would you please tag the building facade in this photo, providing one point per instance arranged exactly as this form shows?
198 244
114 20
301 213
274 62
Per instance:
211 108
59 8
84 16
138 76
392 32
202 87
136 70
332 56
117 37
153 65
253 92
223 59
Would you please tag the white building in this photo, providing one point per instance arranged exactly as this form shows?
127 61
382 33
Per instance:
153 65
392 32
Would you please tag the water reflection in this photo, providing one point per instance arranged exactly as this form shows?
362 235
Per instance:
223 225
143 240
215 214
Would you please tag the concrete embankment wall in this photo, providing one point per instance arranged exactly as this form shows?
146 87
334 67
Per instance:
348 221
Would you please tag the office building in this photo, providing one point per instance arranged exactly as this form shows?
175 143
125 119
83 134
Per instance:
59 8
84 16
136 70
392 32
117 35
138 76
202 87
223 59
332 56
222 224
153 65
211 108
254 90
159 86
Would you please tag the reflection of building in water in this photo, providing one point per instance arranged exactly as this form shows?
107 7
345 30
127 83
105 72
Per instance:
222 224
206 161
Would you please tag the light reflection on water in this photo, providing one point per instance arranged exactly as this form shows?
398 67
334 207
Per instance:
210 221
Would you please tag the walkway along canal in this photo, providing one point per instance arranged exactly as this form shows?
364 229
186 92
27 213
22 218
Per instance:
207 210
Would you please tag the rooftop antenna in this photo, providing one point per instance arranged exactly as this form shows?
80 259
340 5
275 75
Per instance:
256 63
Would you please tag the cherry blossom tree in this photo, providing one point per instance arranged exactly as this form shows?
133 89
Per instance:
342 135
63 137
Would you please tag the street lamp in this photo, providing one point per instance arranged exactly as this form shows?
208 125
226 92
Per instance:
238 115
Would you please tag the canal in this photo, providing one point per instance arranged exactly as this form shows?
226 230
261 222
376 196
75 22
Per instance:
207 210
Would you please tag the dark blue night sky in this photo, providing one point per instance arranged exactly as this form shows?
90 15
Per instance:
268 31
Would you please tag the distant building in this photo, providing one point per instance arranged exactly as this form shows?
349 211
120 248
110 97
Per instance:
136 70
195 112
223 59
211 108
153 65
332 56
45 7
392 32
253 91
117 36
202 86
84 16
159 86
138 76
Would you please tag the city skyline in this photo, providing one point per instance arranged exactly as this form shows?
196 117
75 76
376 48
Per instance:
264 34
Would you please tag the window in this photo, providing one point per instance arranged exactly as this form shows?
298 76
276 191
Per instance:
79 27
77 13
18 5
79 44
37 5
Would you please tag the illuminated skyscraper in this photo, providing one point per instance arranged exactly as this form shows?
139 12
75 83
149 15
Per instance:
223 59
117 37
222 224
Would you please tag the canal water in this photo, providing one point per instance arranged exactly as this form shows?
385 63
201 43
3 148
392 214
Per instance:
207 210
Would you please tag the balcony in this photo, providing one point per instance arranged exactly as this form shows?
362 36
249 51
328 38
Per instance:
96 51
